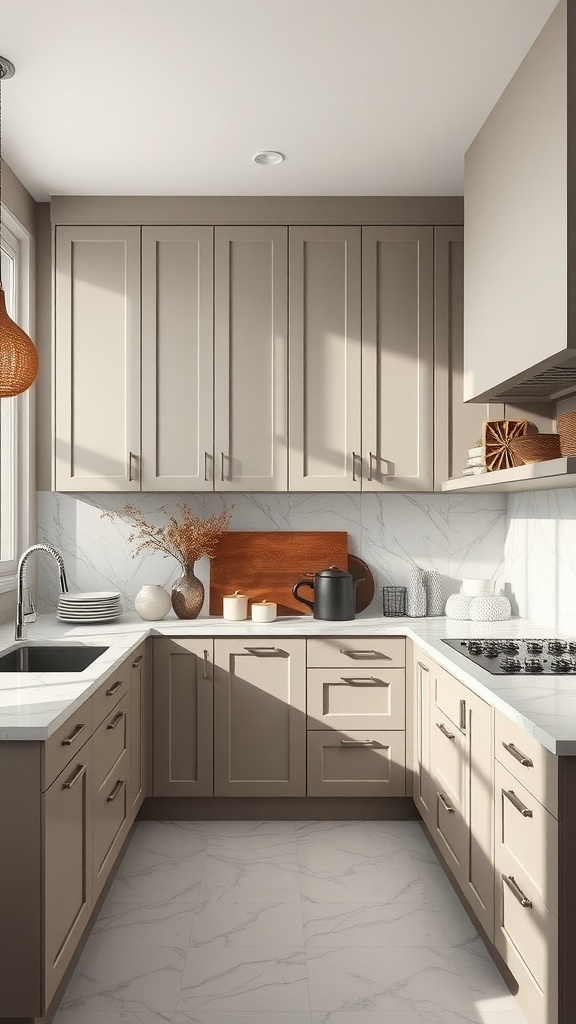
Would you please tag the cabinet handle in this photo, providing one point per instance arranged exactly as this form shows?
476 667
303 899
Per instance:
205 670
114 688
463 715
222 477
206 457
357 743
138 660
517 891
451 810
116 720
354 457
112 796
362 654
511 796
364 681
423 667
131 458
73 735
371 458
518 755
265 652
444 731
74 777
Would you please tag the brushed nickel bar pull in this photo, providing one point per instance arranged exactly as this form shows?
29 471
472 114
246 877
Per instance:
73 735
518 755
444 731
357 743
116 720
364 681
205 670
206 457
511 796
131 458
517 891
361 654
451 810
138 660
112 796
74 778
114 688
354 457
463 715
264 652
371 458
222 477
423 667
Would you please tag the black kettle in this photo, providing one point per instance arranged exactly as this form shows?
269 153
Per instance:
334 594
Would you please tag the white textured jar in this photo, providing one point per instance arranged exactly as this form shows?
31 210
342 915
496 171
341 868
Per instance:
235 606
263 611
475 587
152 602
490 608
458 606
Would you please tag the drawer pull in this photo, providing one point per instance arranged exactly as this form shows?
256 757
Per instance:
362 654
116 720
357 743
265 652
365 681
518 755
205 663
511 796
112 796
517 891
463 715
73 735
114 688
444 731
423 667
451 810
138 660
74 778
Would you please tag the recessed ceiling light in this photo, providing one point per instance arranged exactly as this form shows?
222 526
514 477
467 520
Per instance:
268 157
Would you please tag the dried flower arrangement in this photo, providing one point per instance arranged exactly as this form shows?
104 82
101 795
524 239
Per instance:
187 539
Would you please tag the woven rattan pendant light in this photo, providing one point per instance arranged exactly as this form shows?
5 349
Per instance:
18 356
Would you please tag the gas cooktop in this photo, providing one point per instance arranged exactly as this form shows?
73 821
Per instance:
520 657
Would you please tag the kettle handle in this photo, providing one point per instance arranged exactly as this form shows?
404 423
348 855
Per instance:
303 583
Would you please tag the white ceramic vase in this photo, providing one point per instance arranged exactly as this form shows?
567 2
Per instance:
152 602
434 593
490 608
416 593
458 606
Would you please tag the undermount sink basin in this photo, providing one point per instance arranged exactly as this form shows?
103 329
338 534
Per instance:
49 658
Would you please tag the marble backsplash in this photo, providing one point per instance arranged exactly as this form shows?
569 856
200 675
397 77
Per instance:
455 535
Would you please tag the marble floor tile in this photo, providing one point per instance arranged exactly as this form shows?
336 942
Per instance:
118 924
484 979
333 876
146 876
131 979
457 925
398 1017
111 1017
244 979
242 876
357 841
514 1017
351 924
273 844
248 924
252 828
369 979
274 1017
173 837
306 829
434 878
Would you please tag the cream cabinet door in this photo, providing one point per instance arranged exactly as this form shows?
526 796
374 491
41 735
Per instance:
260 717
250 358
183 717
423 789
479 891
138 726
450 775
397 358
97 358
325 359
177 359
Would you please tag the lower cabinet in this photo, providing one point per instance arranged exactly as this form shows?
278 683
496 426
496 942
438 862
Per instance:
183 717
423 789
112 785
356 764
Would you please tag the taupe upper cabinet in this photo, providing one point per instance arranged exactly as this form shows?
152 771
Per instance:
97 358
397 358
325 359
177 404
250 359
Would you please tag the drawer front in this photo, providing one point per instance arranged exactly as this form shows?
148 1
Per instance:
110 824
111 740
107 696
450 697
356 698
527 834
528 761
60 748
357 652
449 770
356 764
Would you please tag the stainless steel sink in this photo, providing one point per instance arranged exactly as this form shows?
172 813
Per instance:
49 658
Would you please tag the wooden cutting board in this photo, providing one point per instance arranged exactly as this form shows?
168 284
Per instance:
267 565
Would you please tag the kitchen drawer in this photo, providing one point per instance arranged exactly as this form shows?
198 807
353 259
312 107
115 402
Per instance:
450 697
111 740
449 771
110 822
528 761
65 743
356 698
107 696
356 763
528 834
356 652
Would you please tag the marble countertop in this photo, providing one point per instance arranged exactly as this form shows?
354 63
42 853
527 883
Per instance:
33 705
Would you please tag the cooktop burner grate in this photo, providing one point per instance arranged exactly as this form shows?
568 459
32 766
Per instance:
533 656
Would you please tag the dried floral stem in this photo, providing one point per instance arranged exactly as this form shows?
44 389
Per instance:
186 539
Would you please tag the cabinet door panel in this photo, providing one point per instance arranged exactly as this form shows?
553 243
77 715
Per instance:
138 733
356 699
325 359
449 760
250 355
97 358
111 819
183 717
177 345
480 865
424 795
260 718
397 358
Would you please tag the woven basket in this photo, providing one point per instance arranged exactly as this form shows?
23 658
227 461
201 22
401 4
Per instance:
535 448
567 433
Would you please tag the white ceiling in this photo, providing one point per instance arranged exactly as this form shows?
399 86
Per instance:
173 97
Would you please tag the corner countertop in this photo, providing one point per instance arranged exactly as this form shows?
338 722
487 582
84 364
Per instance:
33 705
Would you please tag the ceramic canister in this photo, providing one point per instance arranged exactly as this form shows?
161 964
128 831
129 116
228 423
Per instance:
235 606
152 602
263 611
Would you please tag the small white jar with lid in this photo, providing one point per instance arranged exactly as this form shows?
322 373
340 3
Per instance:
263 611
235 606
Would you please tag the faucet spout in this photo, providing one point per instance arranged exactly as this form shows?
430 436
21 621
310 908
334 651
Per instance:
25 615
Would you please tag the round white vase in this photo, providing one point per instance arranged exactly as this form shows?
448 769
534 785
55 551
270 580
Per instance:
458 606
490 608
152 602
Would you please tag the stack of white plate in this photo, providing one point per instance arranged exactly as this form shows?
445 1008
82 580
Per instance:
92 606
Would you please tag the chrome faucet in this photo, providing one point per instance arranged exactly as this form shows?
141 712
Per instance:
28 614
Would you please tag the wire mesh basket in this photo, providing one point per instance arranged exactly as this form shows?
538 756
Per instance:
393 601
